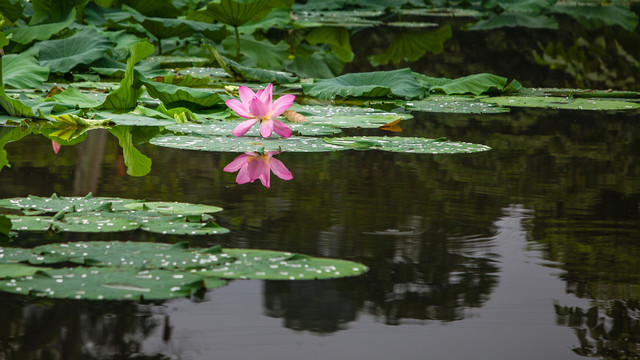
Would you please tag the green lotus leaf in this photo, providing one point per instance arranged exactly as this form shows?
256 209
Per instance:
136 119
410 46
55 203
259 53
181 227
5 225
236 12
243 144
138 255
400 83
74 97
550 102
126 95
245 73
27 34
138 164
222 128
172 95
595 17
454 104
337 37
8 135
475 84
22 71
53 10
19 270
173 207
62 55
407 145
19 255
105 284
532 21
276 265
73 222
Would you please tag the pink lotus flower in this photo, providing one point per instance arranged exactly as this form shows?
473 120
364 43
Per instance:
254 166
56 146
258 107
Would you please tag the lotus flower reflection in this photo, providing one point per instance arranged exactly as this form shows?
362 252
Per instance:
258 107
254 166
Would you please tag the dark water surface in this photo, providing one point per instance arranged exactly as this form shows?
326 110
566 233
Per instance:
528 251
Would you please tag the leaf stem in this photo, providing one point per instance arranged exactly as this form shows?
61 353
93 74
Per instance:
237 43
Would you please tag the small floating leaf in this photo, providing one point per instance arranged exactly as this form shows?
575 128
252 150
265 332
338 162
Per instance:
173 207
106 284
407 145
562 103
276 265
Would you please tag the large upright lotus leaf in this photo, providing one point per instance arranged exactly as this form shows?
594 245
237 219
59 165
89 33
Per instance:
15 107
53 10
320 65
454 104
173 207
400 83
163 28
595 17
5 225
126 95
245 73
260 53
56 203
411 46
105 284
8 135
138 255
11 9
172 95
276 265
222 128
337 37
62 55
27 34
475 84
533 21
407 145
236 12
138 164
550 102
245 143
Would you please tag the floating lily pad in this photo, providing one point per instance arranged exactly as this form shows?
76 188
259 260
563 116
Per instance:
407 145
184 228
18 270
454 104
105 284
276 265
562 103
139 255
173 207
222 128
55 204
348 116
243 144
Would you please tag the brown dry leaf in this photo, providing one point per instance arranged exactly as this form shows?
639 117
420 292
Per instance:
392 126
294 116
54 91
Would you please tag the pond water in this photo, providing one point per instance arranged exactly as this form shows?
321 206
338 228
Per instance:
527 251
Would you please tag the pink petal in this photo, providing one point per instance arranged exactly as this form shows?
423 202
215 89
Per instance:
56 146
239 108
259 109
280 128
280 170
259 169
237 163
266 94
266 128
244 127
281 104
243 175
246 95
